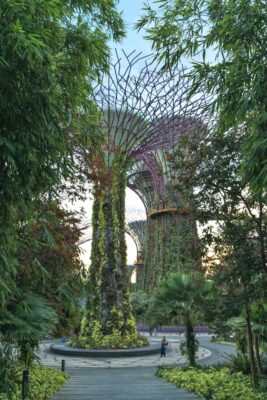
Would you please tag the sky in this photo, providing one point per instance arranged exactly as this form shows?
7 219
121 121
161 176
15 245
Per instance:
132 10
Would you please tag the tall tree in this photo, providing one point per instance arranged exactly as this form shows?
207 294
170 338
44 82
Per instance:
50 53
228 41
220 193
238 260
237 233
238 273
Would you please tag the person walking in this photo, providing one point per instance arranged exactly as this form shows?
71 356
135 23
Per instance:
164 344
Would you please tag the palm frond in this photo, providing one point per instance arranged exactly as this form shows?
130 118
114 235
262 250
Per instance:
30 319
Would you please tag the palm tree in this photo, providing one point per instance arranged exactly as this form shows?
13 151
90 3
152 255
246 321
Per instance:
180 298
258 317
27 319
259 328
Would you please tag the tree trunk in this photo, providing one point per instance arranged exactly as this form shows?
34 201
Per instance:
140 275
257 353
262 237
254 374
191 344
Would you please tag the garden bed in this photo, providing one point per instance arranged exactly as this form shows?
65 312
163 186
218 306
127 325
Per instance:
43 382
211 383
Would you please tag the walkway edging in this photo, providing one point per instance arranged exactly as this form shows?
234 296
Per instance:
76 352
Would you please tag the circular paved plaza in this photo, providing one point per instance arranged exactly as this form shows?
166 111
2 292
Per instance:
173 356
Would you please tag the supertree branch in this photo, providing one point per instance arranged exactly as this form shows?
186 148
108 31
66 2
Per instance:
140 180
144 109
86 228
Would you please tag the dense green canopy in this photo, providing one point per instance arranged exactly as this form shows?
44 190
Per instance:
51 51
226 43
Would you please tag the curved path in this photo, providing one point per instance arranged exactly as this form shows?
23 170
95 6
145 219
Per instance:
128 379
173 357
218 351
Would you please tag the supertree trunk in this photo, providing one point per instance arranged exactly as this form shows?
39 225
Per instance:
109 297
172 245
140 275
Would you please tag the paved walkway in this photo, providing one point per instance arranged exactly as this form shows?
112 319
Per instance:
117 379
119 384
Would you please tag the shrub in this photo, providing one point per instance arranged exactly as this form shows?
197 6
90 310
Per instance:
264 362
114 341
43 383
263 384
238 363
96 339
212 384
9 371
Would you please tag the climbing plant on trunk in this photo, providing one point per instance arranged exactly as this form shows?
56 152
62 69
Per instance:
110 304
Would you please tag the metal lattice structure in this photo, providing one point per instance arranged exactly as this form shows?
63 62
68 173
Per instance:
86 228
145 109
140 180
152 173
136 229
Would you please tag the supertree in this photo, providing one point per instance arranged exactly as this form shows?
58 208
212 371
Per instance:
136 225
139 106
172 240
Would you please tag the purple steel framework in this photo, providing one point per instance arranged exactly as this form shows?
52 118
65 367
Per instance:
145 110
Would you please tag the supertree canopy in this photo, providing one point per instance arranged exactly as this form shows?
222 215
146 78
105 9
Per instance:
142 111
